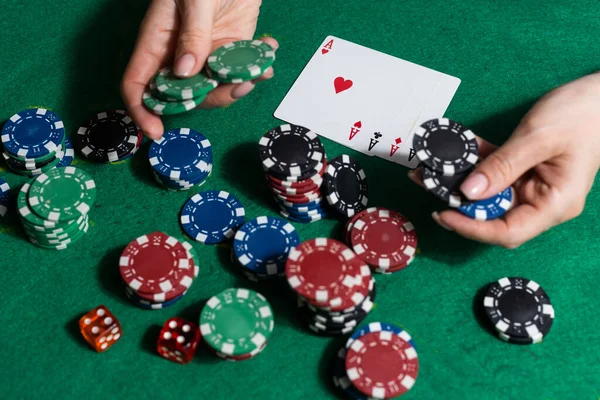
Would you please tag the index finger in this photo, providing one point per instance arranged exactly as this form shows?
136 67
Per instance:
154 46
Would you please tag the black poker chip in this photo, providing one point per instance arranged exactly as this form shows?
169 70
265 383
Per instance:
446 146
108 136
519 309
445 188
345 186
291 151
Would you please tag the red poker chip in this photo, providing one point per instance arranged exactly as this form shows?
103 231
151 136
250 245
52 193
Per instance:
308 198
156 263
323 271
394 269
383 238
294 182
350 223
295 191
382 365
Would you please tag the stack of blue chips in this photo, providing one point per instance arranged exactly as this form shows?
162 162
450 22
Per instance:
181 159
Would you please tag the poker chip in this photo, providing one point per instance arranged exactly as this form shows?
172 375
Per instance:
180 89
294 162
383 238
163 107
261 246
340 378
181 158
445 146
45 233
62 194
237 322
240 61
488 209
4 197
157 267
378 326
446 188
33 133
382 364
68 155
519 309
212 217
108 136
346 188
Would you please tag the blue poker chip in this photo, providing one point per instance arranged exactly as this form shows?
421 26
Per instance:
68 154
300 207
33 133
488 209
262 245
4 197
148 305
212 217
181 154
303 219
379 327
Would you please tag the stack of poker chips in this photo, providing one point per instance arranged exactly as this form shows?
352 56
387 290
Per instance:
261 247
212 217
54 207
157 270
448 152
345 186
519 309
34 142
181 159
335 288
383 238
4 198
235 62
294 162
379 361
222 330
108 137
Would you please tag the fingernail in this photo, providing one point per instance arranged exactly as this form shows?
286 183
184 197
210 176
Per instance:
475 184
185 65
436 218
242 90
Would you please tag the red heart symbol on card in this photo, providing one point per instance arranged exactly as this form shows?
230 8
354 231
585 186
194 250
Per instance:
340 84
358 125
324 51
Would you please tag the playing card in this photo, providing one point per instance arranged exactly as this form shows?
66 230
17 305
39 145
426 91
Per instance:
365 99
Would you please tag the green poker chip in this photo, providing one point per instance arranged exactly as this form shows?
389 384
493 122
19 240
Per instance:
237 322
62 194
162 107
172 87
245 60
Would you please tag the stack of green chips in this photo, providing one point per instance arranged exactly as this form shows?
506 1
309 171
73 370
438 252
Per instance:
54 207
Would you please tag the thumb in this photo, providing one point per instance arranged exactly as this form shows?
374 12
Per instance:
504 166
195 37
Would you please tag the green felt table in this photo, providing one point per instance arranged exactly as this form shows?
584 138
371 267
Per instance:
69 56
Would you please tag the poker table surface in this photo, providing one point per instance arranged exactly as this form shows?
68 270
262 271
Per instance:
69 56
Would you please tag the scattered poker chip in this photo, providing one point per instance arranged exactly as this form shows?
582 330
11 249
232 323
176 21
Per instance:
383 238
156 264
488 209
261 245
445 188
33 133
212 217
68 154
236 322
519 309
446 146
4 197
380 327
291 150
62 194
108 136
241 61
162 107
382 364
182 154
340 378
345 184
181 89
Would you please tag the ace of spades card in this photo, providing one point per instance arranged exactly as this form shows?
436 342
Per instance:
366 100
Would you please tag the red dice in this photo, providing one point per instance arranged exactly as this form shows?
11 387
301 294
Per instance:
100 328
178 340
